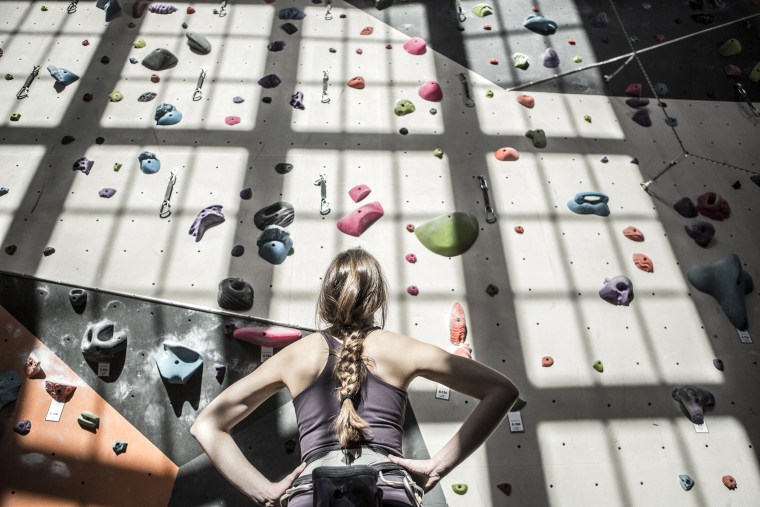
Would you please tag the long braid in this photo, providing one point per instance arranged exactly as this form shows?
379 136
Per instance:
351 372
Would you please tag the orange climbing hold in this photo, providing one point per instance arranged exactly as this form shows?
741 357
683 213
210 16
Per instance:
729 482
356 82
633 234
519 229
547 361
643 262
507 154
367 30
526 100
457 325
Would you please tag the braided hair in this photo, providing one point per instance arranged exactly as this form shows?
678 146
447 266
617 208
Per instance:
353 291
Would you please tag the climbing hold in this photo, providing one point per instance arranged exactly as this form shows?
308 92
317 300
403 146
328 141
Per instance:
519 229
587 118
661 89
119 447
246 193
643 262
736 185
433 110
506 154
547 361
48 251
367 30
637 102
167 114
78 299
198 43
686 482
275 46
713 206
505 488
235 294
4 190
538 137
482 10
642 117
633 89
604 160
551 58
449 235
237 99
494 61
296 100
600 20
492 290
237 250
15 117
730 48
283 168
101 342
88 421
190 9
589 203
695 401
359 220
686 208
275 244
23 427
489 94
100 140
232 120
755 178
146 97
526 101
598 366
411 258
732 70
219 371
633 234
32 366
160 59
106 192
459 488
617 290
540 25
457 325
415 46
208 217
177 363
438 153
114 96
291 13
83 164
359 51
754 74
139 43
718 363
59 391
701 232
271 336
289 28
729 482
11 249
111 8
62 76
280 213
162 8
149 164
487 26
431 91
359 192
356 82
403 107
520 61
577 59
105 60
270 81
10 383
727 282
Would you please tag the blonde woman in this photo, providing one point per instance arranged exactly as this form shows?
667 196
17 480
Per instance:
348 385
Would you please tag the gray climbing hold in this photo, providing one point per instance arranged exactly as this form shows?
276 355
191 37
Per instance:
78 298
107 192
208 217
198 43
641 117
83 164
296 100
10 383
101 342
177 363
661 89
275 244
160 59
270 81
686 208
62 76
149 164
280 213
238 99
291 13
289 28
4 190
700 231
551 58
718 363
283 168
237 250
538 137
686 482
617 290
728 283
695 401
235 294
540 24
275 46
146 97
246 193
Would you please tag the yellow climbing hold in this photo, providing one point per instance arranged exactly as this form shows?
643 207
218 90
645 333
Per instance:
139 43
117 166
438 153
577 59
115 96
587 118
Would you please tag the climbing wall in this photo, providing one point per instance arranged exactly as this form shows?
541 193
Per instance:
611 437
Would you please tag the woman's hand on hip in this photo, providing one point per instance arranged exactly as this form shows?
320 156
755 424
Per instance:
424 471
270 496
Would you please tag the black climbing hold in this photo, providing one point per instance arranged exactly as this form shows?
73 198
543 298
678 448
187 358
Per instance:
704 18
184 25
290 446
229 328
695 401
637 102
48 251
289 28
333 50
160 59
737 184
3 191
246 193
67 140
100 140
403 131
755 179
78 298
635 161
87 97
266 100
492 290
238 250
270 81
235 294
280 213
11 249
105 60
146 97
700 231
686 208
283 168
275 46
342 16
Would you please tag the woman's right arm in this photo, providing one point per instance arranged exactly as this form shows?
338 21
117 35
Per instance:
496 393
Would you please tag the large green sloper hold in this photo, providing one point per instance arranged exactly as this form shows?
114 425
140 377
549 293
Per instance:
449 235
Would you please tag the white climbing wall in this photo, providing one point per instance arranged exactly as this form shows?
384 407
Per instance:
603 439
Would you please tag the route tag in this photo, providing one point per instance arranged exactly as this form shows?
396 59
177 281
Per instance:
54 412
266 353
104 369
442 392
701 428
515 422
744 336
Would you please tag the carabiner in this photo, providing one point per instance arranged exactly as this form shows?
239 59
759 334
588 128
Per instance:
166 208
489 212
328 10
24 91
324 206
467 95
325 80
198 94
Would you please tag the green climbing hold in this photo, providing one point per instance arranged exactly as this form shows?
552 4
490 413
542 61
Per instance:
15 117
403 107
489 94
577 59
520 61
730 48
117 166
449 235
43 8
598 366
139 43
459 488
538 137
587 118
754 74
131 24
438 153
8 77
115 96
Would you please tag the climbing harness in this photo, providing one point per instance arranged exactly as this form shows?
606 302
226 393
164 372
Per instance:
467 95
72 8
24 91
742 93
324 206
198 94
328 10
489 212
325 80
166 208
223 9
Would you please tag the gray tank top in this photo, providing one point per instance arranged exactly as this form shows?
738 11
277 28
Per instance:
381 404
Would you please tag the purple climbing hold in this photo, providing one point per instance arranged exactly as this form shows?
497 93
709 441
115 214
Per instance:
700 231
246 193
551 58
600 20
238 250
107 192
296 100
718 363
83 164
23 427
208 217
686 208
270 81
277 45
162 8
695 401
604 160
219 371
617 290
637 102
641 117
238 99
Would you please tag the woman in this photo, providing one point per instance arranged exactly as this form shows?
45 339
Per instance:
349 391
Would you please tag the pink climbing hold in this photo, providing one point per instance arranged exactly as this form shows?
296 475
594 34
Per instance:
526 101
633 234
271 336
410 227
32 366
412 290
359 51
643 262
232 120
431 91
547 361
60 392
85 42
359 192
411 258
359 220
507 154
633 89
356 82
415 46
732 70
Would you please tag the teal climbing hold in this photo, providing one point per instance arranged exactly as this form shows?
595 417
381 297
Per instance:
177 364
62 76
589 203
686 482
728 283
449 235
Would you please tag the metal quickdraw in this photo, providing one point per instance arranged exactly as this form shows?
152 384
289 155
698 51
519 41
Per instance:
198 94
742 93
325 81
166 208
460 12
328 10
489 212
324 206
467 95
24 91
72 8
223 9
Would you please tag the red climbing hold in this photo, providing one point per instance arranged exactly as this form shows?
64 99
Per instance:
154 78
507 154
547 361
633 89
356 82
412 290
526 101
519 229
494 61
571 42
486 27
729 482
367 30
190 9
633 234
643 262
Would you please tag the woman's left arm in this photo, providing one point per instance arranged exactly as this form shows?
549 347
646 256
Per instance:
212 426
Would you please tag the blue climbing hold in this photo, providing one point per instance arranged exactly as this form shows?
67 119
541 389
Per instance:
686 482
167 114
589 203
291 13
149 164
62 76
540 25
177 363
728 283
275 244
